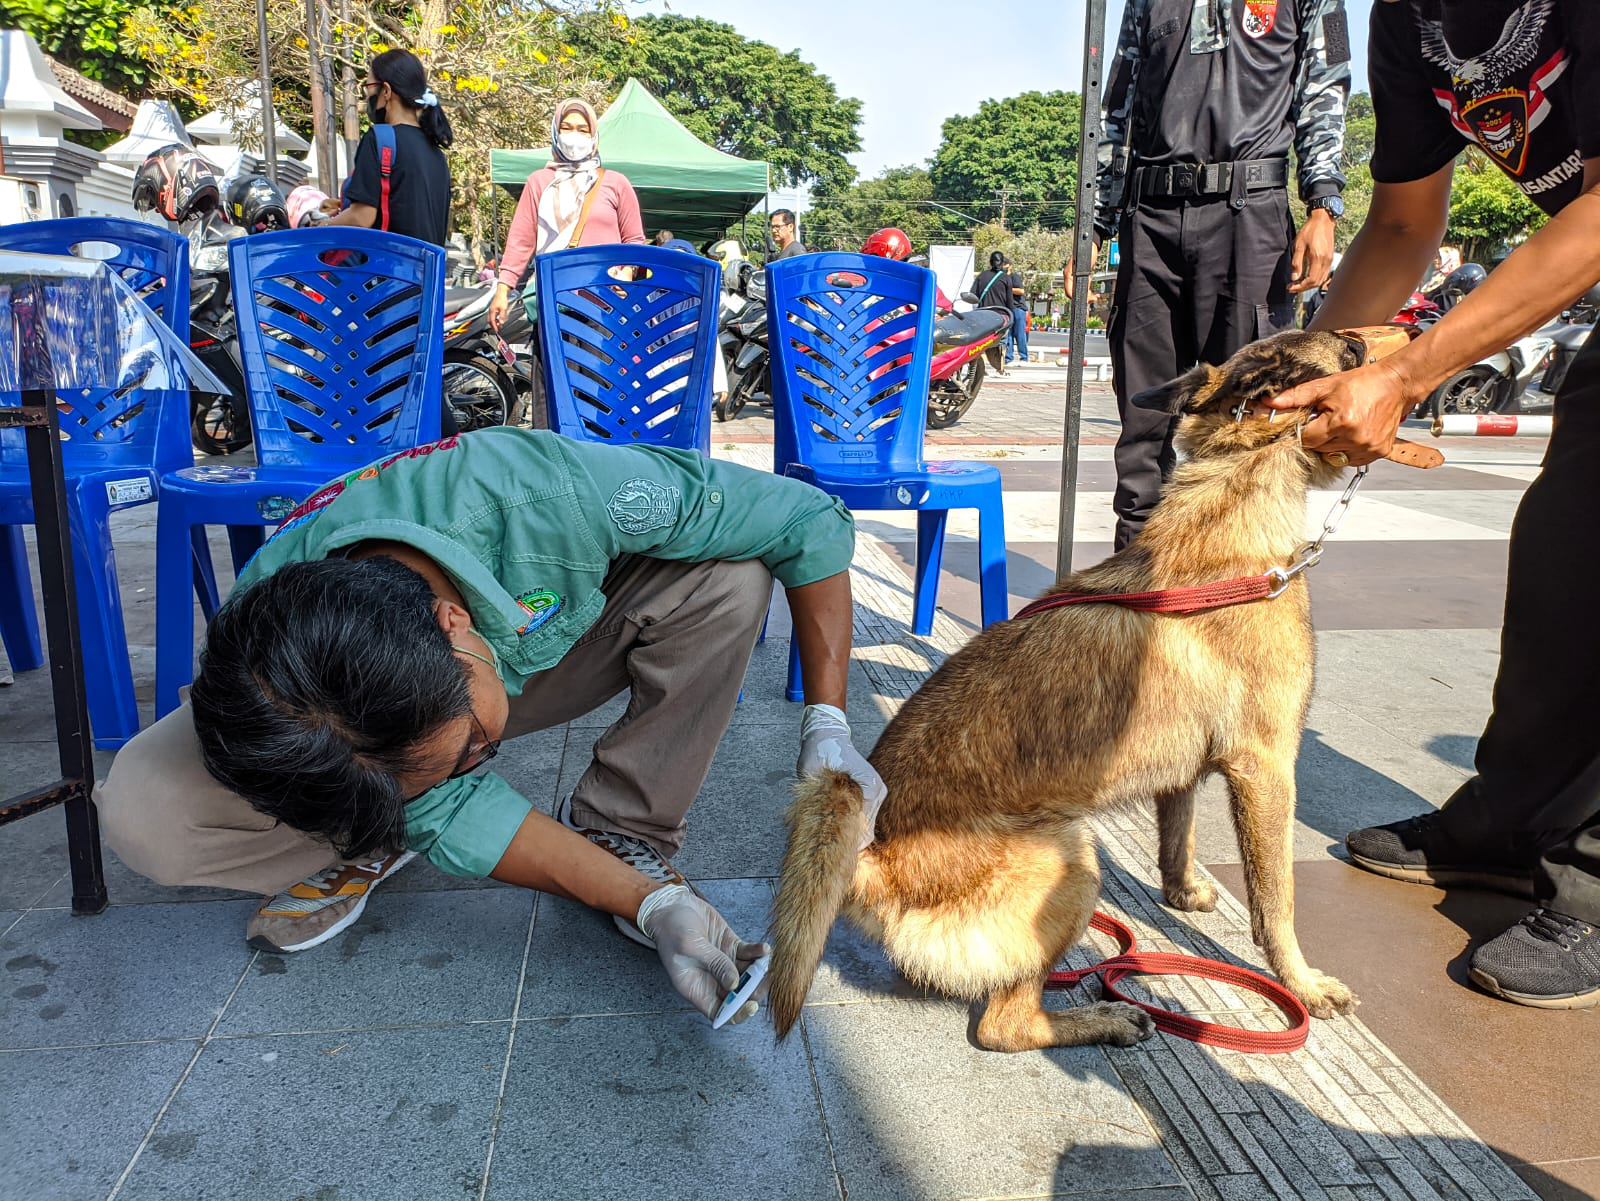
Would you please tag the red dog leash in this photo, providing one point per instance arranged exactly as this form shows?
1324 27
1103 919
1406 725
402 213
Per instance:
1197 599
1130 963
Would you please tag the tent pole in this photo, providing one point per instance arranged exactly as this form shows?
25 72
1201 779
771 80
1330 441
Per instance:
1094 34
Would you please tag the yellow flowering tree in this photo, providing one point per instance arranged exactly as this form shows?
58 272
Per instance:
497 66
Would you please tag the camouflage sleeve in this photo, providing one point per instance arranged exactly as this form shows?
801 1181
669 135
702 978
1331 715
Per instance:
1321 92
1112 159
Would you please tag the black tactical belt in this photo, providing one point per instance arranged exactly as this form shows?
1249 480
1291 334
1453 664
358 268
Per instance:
1210 179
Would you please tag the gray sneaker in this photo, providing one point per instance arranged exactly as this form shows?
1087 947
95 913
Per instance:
320 906
640 856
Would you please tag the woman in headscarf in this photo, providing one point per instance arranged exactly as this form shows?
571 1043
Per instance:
552 214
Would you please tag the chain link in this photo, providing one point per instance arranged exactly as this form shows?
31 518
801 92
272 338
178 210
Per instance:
1310 554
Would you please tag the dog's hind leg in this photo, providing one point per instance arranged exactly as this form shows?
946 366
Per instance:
1016 1020
1261 788
1175 824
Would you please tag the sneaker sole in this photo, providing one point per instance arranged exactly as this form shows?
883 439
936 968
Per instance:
261 943
1580 1000
1444 877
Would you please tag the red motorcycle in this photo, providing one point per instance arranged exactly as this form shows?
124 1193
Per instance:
960 340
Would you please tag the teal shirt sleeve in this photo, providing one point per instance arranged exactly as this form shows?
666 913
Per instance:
679 504
465 825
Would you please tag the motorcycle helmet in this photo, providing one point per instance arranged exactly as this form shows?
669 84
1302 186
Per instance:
304 206
177 183
1461 281
256 205
888 243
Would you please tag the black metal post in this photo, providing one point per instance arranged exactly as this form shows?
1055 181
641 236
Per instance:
74 790
1094 30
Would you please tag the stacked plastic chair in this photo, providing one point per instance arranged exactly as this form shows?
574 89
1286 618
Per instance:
851 340
627 335
119 443
340 335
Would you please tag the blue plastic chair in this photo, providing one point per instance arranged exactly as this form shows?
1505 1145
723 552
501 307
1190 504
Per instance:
851 338
128 437
340 337
629 360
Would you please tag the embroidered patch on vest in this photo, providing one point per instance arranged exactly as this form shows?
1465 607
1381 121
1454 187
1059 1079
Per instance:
540 606
1258 17
642 505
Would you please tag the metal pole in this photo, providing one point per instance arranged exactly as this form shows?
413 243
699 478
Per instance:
1094 40
269 132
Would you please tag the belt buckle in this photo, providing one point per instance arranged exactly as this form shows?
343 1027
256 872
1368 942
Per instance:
1184 179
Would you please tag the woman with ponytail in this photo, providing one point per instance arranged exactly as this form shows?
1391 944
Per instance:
417 200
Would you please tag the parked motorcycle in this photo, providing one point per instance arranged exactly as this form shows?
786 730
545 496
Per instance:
218 425
742 338
480 376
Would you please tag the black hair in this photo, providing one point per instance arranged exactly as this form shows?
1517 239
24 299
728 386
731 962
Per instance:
405 75
784 216
996 260
317 687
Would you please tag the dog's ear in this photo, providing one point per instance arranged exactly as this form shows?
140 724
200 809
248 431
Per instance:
1189 393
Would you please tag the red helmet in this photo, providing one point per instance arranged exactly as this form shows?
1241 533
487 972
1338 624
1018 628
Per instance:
889 243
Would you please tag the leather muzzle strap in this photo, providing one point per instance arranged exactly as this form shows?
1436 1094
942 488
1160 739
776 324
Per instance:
1374 342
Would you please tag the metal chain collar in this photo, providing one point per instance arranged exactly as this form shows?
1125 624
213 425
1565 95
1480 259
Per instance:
1310 554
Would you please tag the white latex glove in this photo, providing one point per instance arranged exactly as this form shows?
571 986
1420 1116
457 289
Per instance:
825 742
702 955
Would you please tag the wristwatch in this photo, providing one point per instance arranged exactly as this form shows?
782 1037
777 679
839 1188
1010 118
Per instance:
1333 205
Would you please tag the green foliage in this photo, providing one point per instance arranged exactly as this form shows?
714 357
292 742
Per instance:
1487 210
744 97
1026 144
843 219
81 33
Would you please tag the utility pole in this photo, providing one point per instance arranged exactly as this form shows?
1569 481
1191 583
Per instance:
1003 195
269 130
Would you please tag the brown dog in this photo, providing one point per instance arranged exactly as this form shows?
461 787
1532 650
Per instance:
983 871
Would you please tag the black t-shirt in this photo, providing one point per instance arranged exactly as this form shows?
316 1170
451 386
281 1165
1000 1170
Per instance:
419 185
1521 80
1013 286
994 290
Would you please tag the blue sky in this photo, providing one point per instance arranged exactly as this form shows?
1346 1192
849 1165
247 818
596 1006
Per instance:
912 63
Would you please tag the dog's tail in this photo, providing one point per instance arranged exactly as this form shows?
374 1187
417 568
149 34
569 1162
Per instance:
826 825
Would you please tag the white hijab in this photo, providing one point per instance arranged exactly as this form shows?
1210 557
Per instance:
562 199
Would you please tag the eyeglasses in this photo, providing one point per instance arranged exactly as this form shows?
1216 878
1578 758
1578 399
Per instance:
479 751
371 83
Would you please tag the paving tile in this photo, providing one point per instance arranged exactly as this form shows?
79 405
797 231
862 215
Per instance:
916 1111
135 972
33 854
658 1105
855 969
1574 1180
413 958
579 963
75 1117
371 1114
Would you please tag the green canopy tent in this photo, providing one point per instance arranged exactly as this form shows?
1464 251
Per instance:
683 184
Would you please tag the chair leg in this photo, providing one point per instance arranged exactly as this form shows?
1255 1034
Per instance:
174 605
19 617
930 557
205 573
245 540
794 687
994 592
113 711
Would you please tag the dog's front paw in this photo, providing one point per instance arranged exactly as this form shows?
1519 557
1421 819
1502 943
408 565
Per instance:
1323 995
1196 896
1123 1025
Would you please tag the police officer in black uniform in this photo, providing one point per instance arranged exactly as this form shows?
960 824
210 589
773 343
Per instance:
1204 100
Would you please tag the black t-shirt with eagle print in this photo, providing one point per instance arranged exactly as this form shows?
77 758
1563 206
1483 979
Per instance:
1519 80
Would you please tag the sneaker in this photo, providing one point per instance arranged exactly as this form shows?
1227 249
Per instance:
1547 960
1419 851
320 906
640 856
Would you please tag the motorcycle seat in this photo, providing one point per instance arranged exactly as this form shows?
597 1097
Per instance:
963 329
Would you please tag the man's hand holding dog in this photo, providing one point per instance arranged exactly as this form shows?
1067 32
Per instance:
1358 412
825 743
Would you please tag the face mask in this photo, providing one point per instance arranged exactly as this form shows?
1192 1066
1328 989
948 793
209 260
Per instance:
375 110
575 146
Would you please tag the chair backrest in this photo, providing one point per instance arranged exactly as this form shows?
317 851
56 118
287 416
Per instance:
851 339
341 339
131 425
626 334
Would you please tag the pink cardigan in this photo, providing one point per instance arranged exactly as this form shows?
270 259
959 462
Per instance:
614 217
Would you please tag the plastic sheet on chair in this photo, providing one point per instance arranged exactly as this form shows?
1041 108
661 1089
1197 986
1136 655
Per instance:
72 324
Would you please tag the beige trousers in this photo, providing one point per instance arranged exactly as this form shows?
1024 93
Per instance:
676 636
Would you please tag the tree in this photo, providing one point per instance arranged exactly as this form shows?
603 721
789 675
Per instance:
746 98
1025 147
81 33
1487 210
899 196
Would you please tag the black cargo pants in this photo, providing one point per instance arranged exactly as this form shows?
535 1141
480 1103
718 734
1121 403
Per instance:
1538 781
1198 279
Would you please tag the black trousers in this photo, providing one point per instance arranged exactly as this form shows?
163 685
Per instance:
1197 280
1538 781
